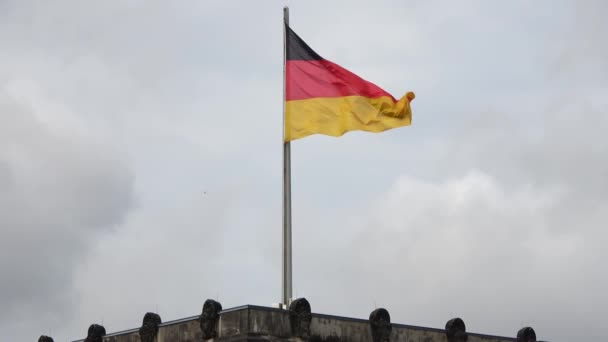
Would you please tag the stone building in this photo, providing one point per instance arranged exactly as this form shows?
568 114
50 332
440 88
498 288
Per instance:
298 323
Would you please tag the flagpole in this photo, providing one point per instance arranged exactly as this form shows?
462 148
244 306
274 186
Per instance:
287 286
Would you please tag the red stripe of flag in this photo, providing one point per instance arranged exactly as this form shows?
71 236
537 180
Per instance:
322 78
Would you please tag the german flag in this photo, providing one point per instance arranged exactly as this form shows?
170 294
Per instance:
321 97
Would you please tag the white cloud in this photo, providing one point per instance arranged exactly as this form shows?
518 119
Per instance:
470 247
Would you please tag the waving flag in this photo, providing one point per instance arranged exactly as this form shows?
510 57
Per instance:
324 98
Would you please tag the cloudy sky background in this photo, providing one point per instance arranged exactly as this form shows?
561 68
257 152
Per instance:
140 160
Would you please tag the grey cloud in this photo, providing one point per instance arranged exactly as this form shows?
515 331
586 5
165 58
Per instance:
502 199
56 193
172 258
493 198
579 56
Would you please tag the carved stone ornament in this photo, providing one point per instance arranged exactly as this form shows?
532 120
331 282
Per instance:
300 317
380 322
149 327
526 334
95 333
45 339
209 318
455 330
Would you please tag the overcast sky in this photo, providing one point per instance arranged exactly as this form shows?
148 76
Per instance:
140 164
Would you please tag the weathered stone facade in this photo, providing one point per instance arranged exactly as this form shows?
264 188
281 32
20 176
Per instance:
298 324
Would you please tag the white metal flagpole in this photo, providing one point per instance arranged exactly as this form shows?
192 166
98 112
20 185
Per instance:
287 286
